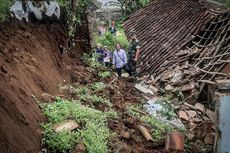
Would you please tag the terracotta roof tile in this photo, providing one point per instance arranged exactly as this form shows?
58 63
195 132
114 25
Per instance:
163 27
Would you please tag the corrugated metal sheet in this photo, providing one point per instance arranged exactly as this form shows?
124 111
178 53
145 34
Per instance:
163 27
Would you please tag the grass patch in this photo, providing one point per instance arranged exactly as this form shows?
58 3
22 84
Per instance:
98 86
5 9
94 131
104 74
91 60
86 95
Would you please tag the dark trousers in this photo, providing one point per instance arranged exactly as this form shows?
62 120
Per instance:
132 66
124 68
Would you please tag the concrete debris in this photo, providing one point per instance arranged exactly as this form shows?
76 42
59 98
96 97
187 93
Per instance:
169 87
174 141
156 108
223 122
68 125
177 76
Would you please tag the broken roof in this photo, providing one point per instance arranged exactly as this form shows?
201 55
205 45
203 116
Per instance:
163 27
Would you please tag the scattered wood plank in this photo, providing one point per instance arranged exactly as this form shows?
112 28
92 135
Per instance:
187 87
145 133
212 73
138 111
143 89
223 84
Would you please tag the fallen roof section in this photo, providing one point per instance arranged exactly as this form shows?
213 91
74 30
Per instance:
200 65
164 27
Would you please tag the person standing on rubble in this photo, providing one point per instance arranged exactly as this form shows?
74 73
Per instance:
112 29
133 53
100 53
107 57
120 60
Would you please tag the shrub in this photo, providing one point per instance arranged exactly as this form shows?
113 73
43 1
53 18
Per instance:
4 9
94 132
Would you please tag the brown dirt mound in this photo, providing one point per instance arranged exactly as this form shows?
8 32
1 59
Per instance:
30 64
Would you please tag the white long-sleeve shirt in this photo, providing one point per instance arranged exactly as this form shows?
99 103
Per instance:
119 58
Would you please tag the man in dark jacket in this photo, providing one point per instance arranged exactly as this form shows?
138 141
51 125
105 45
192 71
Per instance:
134 52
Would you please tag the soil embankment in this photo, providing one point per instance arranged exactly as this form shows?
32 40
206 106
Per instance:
30 64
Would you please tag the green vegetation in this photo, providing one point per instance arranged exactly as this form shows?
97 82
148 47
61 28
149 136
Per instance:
104 74
110 41
4 9
97 86
91 60
75 12
63 141
86 95
159 129
131 6
93 131
225 3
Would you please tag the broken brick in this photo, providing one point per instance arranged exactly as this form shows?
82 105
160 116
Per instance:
183 115
174 141
199 107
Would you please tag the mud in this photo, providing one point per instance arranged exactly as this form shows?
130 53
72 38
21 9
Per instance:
31 64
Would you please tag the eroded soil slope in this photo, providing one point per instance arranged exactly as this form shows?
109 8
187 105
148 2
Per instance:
30 64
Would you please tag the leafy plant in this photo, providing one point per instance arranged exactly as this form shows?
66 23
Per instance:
63 141
4 9
110 41
97 86
98 99
92 60
104 74
82 90
94 132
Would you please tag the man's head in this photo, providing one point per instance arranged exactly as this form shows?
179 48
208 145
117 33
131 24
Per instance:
98 46
105 48
113 23
133 34
118 46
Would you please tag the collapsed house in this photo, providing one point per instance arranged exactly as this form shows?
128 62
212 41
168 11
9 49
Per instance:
182 45
186 46
22 9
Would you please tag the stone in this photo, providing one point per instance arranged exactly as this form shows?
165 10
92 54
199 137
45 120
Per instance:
65 125
191 113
